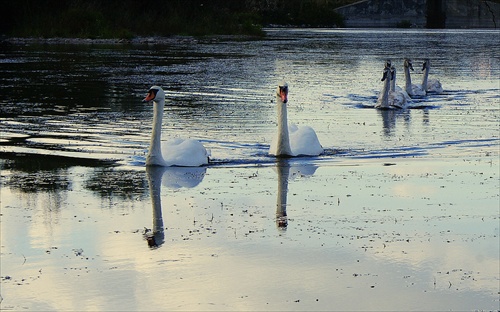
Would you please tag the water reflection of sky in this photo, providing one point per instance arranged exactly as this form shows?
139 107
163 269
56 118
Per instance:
398 233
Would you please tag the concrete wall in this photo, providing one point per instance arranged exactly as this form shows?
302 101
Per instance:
394 13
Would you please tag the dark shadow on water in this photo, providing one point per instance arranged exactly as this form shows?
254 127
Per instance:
35 173
109 183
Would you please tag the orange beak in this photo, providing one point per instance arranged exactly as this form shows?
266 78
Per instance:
149 97
283 96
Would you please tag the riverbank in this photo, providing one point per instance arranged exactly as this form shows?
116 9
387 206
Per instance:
156 40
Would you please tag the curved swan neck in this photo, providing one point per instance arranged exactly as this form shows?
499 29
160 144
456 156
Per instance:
154 156
385 91
283 147
393 80
425 78
408 81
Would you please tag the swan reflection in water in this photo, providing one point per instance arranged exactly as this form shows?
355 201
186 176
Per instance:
172 178
389 118
287 171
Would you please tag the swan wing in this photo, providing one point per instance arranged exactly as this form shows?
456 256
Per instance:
397 99
434 86
184 153
417 91
304 141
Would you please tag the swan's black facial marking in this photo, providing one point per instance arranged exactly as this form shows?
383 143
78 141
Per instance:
151 95
424 65
408 64
153 92
283 93
385 76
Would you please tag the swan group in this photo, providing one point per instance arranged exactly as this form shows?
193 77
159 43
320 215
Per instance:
290 140
428 86
393 96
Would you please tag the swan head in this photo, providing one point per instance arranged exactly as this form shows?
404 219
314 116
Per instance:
282 92
408 64
426 64
385 76
393 71
155 93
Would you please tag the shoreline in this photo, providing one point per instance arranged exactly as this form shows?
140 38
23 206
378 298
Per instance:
150 40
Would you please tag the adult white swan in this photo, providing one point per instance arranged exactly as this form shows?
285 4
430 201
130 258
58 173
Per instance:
430 85
175 152
413 90
292 140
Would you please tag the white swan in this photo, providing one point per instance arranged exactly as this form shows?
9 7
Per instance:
176 152
413 90
430 85
292 140
383 99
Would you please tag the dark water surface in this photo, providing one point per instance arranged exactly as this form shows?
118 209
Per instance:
400 213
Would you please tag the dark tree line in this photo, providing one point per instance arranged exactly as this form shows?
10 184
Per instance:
128 18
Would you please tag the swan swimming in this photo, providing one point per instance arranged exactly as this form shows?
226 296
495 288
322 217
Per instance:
292 140
175 152
397 97
413 90
431 85
383 99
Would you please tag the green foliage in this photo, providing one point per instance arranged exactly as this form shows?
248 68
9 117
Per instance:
128 18
404 24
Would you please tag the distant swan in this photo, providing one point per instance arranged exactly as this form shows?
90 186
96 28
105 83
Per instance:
431 85
292 140
383 99
175 152
413 90
396 97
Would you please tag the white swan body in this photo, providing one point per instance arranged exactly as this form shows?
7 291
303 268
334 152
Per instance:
176 152
413 90
430 85
292 140
397 96
383 99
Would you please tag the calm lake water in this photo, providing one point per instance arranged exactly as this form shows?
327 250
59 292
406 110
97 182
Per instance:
401 212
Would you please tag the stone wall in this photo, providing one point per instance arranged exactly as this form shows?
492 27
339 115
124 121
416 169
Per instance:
414 13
